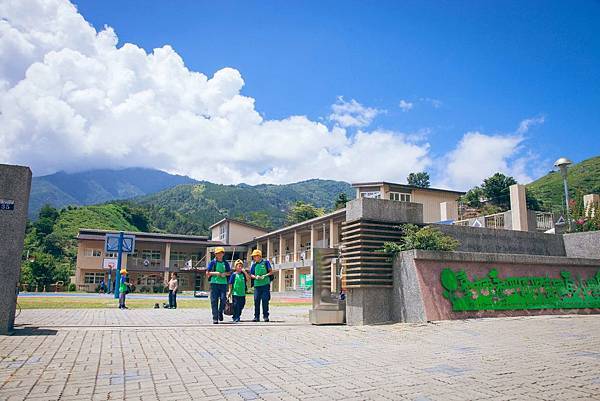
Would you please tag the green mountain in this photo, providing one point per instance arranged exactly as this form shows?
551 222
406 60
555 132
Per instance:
583 178
96 186
193 208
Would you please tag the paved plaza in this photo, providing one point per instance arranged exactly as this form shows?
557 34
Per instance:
163 354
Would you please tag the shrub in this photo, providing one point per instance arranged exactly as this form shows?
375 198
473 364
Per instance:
72 287
428 238
145 289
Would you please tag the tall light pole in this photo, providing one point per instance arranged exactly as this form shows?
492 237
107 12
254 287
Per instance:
562 164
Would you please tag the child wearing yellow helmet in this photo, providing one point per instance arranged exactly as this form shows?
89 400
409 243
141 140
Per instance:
262 274
218 271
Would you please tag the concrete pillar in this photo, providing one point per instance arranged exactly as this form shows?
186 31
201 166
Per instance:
518 207
269 249
167 261
15 185
590 203
449 211
281 249
296 246
295 278
280 281
313 239
333 234
385 191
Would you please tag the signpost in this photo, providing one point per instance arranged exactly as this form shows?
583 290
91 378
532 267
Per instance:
118 243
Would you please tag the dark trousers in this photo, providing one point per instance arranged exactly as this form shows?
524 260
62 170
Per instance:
122 299
218 292
172 299
238 306
262 295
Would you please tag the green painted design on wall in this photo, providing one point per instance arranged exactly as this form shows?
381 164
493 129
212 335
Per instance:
515 293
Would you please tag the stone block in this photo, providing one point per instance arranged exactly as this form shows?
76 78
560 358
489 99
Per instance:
15 185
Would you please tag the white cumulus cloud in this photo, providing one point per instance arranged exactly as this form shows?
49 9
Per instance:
352 113
478 156
71 99
405 105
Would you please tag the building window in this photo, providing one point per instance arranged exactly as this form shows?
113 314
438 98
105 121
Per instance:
399 196
371 194
92 252
222 233
148 279
150 254
111 254
93 278
179 256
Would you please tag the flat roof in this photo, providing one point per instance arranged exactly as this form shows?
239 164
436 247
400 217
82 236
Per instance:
379 183
97 234
302 223
239 222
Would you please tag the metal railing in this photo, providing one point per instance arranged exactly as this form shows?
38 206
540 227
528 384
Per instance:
544 221
495 221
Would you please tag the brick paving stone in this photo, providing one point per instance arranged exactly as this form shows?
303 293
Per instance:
180 355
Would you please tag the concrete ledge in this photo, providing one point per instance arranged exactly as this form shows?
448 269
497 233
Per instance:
503 258
582 245
418 292
476 239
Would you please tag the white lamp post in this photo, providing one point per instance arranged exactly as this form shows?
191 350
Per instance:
562 164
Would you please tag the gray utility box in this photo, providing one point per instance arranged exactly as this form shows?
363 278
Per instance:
327 308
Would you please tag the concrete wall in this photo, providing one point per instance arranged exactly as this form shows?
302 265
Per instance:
384 210
418 293
582 245
369 305
15 184
476 239
431 203
239 233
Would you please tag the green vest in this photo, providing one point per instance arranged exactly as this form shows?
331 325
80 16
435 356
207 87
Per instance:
239 285
260 269
219 267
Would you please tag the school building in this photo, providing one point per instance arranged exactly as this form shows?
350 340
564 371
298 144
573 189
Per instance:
289 249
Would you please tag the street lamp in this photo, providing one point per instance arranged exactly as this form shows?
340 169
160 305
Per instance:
562 164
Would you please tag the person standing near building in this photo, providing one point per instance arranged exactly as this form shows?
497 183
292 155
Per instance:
218 271
173 286
237 287
123 289
262 273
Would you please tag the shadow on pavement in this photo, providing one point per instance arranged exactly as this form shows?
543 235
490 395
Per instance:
33 331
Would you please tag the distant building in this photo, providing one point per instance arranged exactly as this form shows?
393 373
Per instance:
156 256
235 232
430 198
289 248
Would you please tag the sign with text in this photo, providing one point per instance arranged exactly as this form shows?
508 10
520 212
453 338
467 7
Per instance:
7 204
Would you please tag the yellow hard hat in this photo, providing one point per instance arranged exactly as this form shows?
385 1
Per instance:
219 249
239 261
123 271
257 252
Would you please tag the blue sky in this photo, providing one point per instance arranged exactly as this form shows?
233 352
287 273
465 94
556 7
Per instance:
490 64
468 74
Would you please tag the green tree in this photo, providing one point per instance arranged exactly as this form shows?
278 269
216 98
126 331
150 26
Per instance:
46 219
414 237
496 189
261 219
301 211
473 197
341 201
420 180
39 269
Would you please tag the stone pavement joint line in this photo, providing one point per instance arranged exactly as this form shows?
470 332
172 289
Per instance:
179 355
